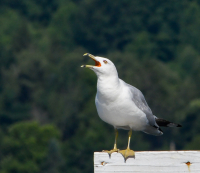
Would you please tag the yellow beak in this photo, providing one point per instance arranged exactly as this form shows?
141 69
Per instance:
97 63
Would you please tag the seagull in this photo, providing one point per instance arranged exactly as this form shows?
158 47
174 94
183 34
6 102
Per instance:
122 105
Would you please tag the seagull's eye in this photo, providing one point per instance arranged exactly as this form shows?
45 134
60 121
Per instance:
105 61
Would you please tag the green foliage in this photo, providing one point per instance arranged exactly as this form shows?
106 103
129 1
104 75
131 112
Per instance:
53 160
60 29
26 146
154 45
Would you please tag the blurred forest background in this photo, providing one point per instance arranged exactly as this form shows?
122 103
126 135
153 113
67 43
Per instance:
48 119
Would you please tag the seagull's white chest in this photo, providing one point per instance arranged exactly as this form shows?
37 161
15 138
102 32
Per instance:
118 110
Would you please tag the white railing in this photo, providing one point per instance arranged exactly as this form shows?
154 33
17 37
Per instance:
149 162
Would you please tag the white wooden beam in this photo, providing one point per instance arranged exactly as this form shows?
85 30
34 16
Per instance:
149 162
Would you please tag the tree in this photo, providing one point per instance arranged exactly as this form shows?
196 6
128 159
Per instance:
26 146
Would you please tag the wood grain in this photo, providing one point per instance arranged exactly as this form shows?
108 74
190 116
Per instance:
149 162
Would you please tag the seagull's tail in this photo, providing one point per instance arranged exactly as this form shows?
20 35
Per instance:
165 123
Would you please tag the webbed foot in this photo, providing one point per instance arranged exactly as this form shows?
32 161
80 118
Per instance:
111 151
128 153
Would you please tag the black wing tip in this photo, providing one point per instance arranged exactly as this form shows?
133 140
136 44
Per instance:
165 123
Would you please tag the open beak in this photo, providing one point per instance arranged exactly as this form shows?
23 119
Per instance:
97 63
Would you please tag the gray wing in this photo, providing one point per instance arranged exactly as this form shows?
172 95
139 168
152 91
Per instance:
141 103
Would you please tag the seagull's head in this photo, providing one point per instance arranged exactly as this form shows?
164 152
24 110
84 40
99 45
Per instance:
102 67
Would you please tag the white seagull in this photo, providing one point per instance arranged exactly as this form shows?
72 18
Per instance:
122 105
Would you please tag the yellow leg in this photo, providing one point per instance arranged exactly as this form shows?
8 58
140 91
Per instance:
116 137
128 153
115 145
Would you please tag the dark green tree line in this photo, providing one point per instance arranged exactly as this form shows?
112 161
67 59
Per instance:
48 119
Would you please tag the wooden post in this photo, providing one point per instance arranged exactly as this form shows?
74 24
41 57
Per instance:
149 162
